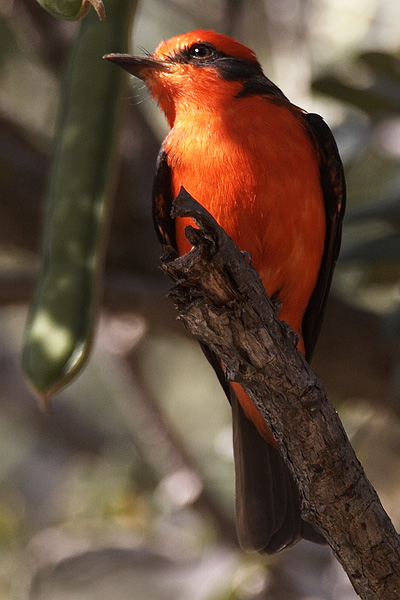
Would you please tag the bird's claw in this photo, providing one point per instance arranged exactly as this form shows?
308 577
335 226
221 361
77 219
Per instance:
246 255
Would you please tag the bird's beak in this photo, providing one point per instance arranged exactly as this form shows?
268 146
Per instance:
139 66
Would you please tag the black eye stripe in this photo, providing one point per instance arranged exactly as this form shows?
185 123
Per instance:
230 68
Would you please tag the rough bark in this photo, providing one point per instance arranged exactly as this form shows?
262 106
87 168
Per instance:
221 300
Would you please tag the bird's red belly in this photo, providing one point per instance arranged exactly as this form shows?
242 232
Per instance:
267 196
286 247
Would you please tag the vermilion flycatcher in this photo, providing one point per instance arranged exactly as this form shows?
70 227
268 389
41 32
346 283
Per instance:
270 174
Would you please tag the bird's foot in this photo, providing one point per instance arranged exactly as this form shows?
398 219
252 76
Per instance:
246 255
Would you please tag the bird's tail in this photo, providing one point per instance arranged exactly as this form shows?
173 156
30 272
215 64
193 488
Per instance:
268 515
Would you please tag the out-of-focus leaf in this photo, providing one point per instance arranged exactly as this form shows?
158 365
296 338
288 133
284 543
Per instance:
383 249
391 329
391 324
141 575
388 211
61 321
8 42
375 101
73 10
383 274
382 63
369 271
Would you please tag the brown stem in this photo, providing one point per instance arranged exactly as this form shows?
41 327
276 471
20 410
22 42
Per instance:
222 301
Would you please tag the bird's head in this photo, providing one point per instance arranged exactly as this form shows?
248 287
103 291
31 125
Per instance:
196 70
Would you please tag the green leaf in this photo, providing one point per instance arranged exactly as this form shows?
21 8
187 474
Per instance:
72 10
62 316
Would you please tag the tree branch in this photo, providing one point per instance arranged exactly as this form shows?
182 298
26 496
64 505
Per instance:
223 303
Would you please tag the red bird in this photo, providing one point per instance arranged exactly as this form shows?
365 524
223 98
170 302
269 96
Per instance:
270 174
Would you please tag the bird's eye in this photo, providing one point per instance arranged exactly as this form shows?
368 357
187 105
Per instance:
201 51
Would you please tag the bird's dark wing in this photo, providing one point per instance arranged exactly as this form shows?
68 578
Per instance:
162 202
334 190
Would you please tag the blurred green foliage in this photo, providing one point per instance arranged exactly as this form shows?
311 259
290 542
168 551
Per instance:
369 269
